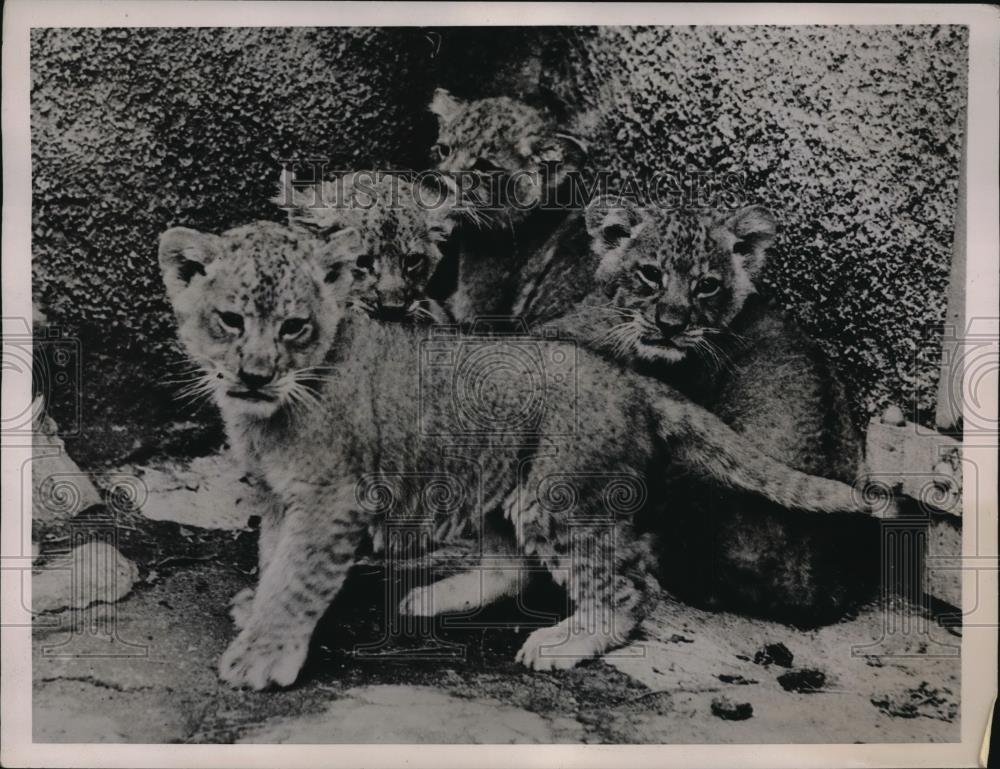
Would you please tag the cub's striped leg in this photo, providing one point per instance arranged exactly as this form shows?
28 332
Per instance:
315 546
607 579
271 512
596 626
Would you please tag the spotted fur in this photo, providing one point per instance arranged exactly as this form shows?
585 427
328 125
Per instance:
353 425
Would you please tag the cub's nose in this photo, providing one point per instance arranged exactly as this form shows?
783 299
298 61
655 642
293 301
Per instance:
670 323
255 379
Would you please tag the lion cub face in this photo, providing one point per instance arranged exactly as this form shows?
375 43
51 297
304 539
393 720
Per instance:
675 279
257 309
390 230
522 145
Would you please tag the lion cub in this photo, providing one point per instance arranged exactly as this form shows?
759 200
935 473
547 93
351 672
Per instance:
519 161
350 422
674 295
401 223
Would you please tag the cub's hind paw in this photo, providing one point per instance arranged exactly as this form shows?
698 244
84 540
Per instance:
417 603
257 662
549 649
458 593
240 607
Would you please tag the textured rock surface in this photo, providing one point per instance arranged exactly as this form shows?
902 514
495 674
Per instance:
211 492
91 573
694 657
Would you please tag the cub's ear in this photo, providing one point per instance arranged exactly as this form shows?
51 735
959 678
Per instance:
561 153
446 106
336 251
560 148
748 233
611 221
185 253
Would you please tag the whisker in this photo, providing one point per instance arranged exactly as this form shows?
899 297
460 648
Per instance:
721 351
302 398
742 342
614 337
307 370
298 407
713 354
195 393
178 381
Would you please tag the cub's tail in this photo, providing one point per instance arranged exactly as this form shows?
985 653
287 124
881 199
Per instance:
702 443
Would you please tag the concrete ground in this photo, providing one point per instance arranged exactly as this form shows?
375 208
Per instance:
143 669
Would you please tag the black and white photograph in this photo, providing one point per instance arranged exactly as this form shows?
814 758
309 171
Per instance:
499 375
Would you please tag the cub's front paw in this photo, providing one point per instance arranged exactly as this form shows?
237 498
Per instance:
240 606
549 649
257 661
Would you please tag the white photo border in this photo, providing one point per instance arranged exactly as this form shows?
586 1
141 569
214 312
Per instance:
979 644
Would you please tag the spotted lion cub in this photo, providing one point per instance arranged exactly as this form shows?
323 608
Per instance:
324 407
400 225
675 294
525 156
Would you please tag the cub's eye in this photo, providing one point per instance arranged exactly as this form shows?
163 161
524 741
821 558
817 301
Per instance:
413 262
293 327
651 274
441 150
230 321
366 261
708 286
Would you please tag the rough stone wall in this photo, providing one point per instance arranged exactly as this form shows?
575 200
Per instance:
852 135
